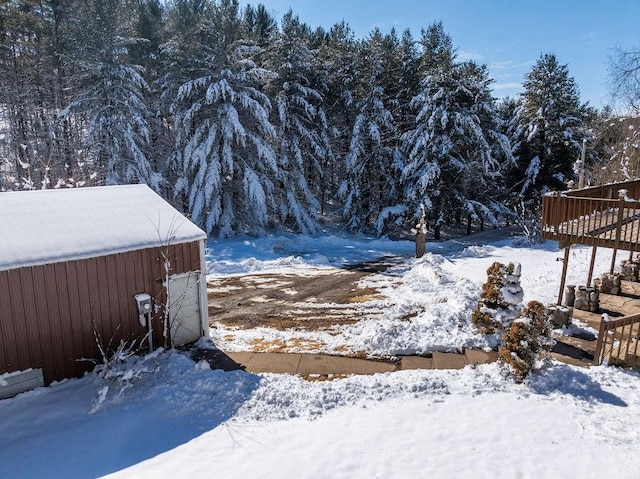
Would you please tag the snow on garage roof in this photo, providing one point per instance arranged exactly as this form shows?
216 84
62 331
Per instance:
50 226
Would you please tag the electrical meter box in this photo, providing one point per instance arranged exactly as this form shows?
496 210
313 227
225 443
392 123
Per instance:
143 301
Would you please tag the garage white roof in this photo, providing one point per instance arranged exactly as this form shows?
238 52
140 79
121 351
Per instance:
49 226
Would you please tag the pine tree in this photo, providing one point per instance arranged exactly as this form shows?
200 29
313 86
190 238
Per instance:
455 150
260 26
31 94
370 161
337 65
550 121
488 149
547 138
303 144
224 161
110 93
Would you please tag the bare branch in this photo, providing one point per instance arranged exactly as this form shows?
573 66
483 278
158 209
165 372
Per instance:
624 77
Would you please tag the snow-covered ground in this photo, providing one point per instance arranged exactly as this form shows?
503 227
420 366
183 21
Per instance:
426 303
181 419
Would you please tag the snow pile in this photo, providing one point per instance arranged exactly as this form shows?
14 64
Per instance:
426 309
282 397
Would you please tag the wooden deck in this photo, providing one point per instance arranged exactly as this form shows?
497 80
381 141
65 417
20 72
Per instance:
591 221
581 349
606 216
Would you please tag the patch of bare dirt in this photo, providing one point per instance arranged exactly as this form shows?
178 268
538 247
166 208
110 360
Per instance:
302 302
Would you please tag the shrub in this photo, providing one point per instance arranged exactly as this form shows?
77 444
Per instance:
527 341
500 300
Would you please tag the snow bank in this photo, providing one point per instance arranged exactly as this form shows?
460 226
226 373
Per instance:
426 309
186 420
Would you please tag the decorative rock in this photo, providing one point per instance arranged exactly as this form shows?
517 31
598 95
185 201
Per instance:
608 283
560 315
629 270
587 299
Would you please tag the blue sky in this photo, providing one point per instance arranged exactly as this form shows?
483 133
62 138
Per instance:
507 35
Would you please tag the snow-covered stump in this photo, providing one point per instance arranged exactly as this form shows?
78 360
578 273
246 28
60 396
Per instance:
560 315
608 283
500 300
569 296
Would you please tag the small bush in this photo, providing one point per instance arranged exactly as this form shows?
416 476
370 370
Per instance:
527 341
500 300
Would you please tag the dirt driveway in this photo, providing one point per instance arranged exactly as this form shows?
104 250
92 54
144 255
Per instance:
312 300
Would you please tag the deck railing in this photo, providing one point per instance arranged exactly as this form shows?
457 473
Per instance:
608 191
618 342
591 221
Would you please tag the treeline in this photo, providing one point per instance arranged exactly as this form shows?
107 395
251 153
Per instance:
249 123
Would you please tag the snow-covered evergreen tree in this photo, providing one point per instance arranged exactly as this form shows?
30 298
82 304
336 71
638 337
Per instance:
455 149
303 138
550 128
34 147
225 165
547 127
369 181
337 65
260 26
488 149
111 93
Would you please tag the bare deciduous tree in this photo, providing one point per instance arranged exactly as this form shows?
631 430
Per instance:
624 77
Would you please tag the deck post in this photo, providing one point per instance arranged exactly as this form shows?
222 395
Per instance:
565 263
597 357
591 265
621 194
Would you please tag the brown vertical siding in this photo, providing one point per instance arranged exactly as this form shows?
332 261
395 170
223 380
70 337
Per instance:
48 313
29 302
8 344
20 332
5 312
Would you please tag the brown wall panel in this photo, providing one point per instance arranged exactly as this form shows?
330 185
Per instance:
47 313
20 330
29 300
59 325
62 294
84 314
76 276
8 344
123 297
44 321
